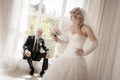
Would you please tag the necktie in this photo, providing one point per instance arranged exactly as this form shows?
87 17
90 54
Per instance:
35 47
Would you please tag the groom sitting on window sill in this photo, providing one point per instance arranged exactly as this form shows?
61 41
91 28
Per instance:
32 48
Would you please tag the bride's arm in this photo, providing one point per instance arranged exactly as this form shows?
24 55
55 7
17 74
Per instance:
56 39
63 41
91 48
93 39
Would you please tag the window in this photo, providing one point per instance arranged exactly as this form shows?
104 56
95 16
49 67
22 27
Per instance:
50 13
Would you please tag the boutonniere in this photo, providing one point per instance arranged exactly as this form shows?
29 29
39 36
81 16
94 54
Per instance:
40 44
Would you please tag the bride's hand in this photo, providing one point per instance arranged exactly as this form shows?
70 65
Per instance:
56 39
79 52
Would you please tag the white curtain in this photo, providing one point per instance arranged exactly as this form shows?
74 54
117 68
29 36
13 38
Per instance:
0 29
14 17
104 18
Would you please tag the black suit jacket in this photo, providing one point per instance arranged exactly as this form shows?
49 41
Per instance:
35 55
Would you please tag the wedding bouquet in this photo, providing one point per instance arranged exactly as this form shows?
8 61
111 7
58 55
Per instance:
55 31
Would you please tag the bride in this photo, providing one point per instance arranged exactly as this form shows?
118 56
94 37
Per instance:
72 65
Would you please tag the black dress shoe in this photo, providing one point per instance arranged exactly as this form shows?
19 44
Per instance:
32 71
41 73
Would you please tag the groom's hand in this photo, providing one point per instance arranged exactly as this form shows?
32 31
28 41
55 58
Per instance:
79 52
47 55
28 53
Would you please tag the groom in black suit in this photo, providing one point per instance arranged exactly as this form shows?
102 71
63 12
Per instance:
32 48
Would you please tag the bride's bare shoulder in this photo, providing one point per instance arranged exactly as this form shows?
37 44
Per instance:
71 27
86 27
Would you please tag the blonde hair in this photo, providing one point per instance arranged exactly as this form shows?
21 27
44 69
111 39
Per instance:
77 13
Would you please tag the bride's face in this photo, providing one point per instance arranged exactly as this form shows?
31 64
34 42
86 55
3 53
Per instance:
72 18
75 21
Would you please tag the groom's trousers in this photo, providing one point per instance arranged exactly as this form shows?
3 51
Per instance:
38 57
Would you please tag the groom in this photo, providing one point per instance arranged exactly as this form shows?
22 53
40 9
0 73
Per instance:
32 52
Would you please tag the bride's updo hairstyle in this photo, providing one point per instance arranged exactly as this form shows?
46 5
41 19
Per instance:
77 13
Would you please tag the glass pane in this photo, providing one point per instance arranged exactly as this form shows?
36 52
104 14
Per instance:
53 7
34 5
31 25
72 4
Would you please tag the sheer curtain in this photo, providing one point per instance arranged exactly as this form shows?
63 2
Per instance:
0 29
104 18
102 15
14 22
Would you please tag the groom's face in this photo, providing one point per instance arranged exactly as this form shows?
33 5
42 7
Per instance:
39 32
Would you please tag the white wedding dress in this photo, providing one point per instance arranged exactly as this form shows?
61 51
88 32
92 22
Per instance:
69 66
